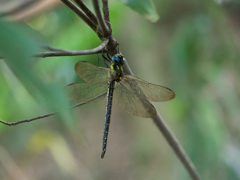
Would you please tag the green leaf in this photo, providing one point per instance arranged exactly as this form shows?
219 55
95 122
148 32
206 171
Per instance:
144 7
18 46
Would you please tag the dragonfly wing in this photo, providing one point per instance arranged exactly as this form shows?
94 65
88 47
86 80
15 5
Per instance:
93 74
82 92
132 103
145 90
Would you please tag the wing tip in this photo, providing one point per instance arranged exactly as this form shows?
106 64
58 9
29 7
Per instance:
173 95
76 67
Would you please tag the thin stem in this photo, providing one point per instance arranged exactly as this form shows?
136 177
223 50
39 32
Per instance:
53 49
27 120
47 115
87 11
176 146
100 19
81 14
62 52
171 139
106 13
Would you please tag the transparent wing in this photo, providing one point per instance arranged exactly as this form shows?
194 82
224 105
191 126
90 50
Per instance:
132 103
93 74
82 92
145 90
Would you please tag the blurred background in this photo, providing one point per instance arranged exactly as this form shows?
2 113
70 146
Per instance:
193 49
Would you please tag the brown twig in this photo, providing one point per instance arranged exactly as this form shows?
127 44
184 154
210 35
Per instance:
53 49
100 19
48 115
87 11
106 14
176 146
83 16
62 52
27 120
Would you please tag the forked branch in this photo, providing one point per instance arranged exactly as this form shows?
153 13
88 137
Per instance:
104 31
100 19
87 11
82 15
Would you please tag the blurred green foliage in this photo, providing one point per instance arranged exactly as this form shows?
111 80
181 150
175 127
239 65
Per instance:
193 49
144 7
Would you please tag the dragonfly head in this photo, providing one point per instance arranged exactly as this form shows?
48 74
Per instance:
118 59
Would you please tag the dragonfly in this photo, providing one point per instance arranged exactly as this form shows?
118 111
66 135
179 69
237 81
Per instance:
132 94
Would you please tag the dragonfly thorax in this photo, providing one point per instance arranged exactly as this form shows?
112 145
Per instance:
118 69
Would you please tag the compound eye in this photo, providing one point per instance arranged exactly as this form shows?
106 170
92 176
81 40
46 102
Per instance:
115 59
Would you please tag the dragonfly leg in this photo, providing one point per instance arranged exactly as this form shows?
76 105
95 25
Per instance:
109 58
106 59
